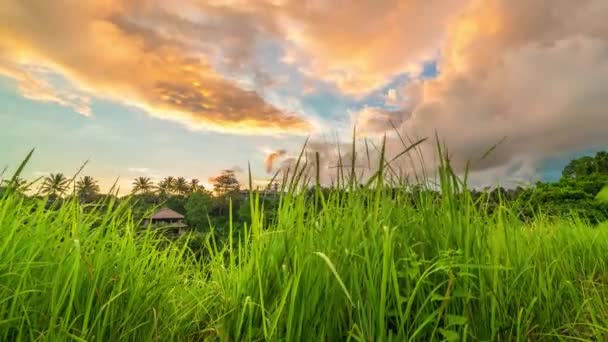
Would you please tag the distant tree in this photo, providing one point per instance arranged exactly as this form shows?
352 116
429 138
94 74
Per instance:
580 167
195 185
18 184
142 185
87 188
587 166
177 203
54 185
226 183
601 162
166 187
181 186
198 207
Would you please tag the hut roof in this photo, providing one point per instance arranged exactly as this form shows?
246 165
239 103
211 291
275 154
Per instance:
167 214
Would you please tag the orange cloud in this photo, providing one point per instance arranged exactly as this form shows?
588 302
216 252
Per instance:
361 45
272 157
186 60
100 53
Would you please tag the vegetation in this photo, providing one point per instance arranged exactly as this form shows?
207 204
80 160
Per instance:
362 262
54 185
142 185
87 189
226 183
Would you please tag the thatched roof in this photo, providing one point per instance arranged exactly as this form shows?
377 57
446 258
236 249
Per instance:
167 214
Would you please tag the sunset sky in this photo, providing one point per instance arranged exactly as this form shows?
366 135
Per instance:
191 87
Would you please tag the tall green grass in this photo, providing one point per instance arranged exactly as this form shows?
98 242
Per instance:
366 262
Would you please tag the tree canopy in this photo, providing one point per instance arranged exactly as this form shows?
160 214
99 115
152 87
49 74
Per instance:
87 188
225 183
587 166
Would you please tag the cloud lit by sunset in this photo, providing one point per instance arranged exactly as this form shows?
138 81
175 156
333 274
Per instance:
218 79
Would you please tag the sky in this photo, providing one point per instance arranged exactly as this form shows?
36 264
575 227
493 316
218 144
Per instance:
191 87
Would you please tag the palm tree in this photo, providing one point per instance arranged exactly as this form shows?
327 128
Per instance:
86 188
181 186
54 185
195 185
142 185
166 186
19 184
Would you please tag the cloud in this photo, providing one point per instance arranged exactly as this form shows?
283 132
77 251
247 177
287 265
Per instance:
34 87
356 46
271 158
360 45
237 169
372 121
532 72
142 170
108 48
377 121
206 64
391 97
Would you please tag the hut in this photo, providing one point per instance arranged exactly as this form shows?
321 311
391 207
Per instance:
168 220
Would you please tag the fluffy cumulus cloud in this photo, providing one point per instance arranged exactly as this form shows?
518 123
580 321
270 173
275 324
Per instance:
374 121
531 72
360 45
205 63
113 48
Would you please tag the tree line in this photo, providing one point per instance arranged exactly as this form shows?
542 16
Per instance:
576 192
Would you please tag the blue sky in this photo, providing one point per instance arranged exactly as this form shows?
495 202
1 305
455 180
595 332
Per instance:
120 141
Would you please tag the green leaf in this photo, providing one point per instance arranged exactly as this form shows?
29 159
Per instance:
332 268
438 298
450 335
456 320
603 195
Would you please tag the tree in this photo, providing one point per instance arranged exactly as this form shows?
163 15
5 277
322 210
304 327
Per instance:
166 186
54 185
181 186
579 167
587 166
195 185
177 203
87 188
226 183
198 207
601 162
142 185
19 184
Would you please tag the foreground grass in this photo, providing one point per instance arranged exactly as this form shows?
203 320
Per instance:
365 264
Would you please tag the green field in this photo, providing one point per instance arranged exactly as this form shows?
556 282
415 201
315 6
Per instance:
366 263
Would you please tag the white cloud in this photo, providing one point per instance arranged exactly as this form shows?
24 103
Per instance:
33 86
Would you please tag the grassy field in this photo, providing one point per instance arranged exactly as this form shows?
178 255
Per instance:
365 264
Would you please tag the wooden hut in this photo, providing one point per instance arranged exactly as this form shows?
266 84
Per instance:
168 220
